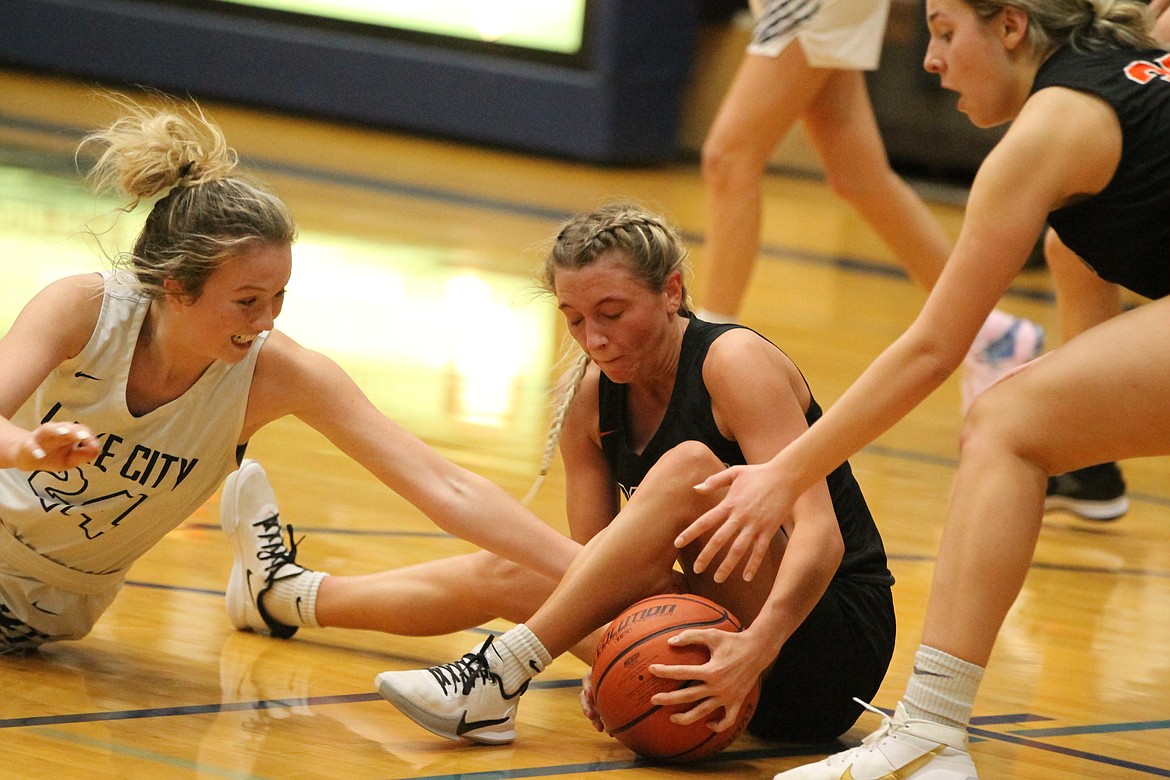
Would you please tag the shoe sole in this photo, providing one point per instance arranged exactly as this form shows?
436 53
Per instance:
238 609
228 514
1100 511
441 727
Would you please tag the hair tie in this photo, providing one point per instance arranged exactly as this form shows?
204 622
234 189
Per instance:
186 169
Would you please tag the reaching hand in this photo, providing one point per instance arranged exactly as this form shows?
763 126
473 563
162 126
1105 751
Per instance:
757 502
56 447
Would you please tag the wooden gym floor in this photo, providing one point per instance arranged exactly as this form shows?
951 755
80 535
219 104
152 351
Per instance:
414 271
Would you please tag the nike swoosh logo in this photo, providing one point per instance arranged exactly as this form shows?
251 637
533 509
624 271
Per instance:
299 613
83 375
925 673
904 772
465 726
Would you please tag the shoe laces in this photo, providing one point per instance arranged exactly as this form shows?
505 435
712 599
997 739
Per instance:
273 549
465 673
869 742
888 727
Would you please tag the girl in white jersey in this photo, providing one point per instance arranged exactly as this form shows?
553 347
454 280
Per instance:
126 395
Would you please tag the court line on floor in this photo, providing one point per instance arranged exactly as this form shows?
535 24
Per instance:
1101 728
1071 752
1023 738
141 754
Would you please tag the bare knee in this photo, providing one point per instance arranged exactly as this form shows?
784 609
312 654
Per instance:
994 432
683 467
726 164
666 500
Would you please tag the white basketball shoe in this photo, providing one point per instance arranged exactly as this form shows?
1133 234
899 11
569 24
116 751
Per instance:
251 519
460 700
902 748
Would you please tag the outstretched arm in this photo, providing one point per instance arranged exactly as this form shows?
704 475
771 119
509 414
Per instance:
293 380
1062 144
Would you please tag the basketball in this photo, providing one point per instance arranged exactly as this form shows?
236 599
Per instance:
623 686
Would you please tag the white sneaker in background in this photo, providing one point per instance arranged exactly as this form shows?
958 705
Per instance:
1004 343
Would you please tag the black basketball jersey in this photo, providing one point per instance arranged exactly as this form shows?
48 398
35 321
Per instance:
1123 232
689 418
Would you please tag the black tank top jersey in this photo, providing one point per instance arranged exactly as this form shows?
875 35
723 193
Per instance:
689 418
1123 232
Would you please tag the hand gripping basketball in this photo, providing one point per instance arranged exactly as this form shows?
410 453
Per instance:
623 685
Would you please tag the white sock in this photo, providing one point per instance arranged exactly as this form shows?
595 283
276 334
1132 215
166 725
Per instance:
522 654
713 316
942 688
294 601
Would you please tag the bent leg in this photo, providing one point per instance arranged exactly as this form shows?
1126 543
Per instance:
1100 397
634 556
1083 300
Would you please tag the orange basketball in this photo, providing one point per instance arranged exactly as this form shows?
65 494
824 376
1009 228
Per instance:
622 684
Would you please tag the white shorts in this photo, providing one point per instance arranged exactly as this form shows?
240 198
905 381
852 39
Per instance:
842 34
32 613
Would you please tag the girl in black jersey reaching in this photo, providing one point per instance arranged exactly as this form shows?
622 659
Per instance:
1088 94
661 401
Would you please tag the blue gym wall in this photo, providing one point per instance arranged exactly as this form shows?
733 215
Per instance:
620 105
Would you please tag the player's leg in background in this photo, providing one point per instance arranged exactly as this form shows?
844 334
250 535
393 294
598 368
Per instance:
766 98
1083 300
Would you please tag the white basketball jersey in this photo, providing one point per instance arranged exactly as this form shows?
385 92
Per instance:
153 471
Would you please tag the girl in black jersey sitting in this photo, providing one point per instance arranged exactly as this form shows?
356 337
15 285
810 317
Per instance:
662 400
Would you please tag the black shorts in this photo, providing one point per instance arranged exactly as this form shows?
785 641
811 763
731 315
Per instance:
841 651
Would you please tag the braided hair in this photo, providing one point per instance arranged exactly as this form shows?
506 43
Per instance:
650 248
